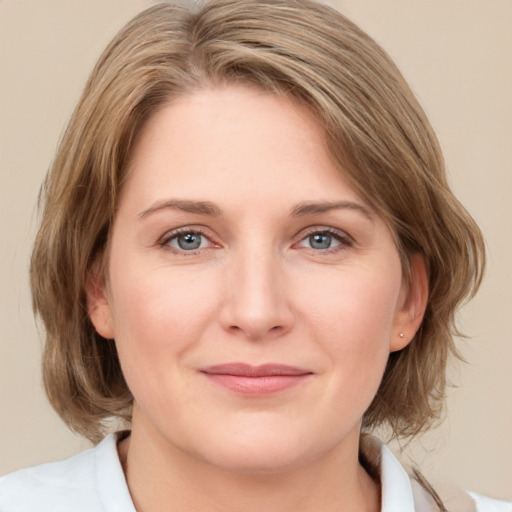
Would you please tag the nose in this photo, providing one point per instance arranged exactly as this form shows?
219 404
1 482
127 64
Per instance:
256 302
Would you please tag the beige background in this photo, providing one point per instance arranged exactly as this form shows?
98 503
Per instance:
457 56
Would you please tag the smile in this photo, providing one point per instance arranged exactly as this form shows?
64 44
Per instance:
256 380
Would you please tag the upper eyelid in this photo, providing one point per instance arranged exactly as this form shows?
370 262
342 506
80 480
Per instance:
173 233
324 229
185 229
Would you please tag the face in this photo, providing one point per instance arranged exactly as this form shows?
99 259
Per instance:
253 296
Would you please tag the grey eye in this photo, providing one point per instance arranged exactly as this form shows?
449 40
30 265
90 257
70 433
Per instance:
320 241
188 241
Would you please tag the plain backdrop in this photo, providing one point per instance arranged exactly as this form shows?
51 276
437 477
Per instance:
457 56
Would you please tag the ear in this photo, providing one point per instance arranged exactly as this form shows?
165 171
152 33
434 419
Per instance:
98 306
411 305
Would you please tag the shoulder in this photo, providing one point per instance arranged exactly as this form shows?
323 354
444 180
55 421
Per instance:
89 481
452 498
53 486
486 504
403 490
455 499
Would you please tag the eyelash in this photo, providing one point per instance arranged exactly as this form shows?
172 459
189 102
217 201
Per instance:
341 237
345 240
168 237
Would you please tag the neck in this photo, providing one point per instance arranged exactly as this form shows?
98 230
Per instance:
160 474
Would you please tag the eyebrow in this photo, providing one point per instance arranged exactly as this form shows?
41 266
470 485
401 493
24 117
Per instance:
199 207
300 210
311 208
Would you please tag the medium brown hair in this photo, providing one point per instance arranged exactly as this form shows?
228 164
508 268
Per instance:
376 131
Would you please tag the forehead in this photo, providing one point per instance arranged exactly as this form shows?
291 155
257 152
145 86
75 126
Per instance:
234 141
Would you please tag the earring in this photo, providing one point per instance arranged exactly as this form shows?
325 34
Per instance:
402 335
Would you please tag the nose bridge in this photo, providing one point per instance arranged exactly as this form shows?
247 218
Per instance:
257 303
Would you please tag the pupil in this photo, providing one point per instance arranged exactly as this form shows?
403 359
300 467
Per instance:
189 241
320 241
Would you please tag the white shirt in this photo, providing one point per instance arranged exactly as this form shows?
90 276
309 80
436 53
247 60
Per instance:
93 481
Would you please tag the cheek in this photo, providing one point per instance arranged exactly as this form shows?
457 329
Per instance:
159 315
352 318
357 306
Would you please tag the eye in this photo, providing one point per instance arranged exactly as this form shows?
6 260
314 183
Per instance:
187 240
321 241
325 240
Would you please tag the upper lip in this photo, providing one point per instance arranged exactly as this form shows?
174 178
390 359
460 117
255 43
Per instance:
247 370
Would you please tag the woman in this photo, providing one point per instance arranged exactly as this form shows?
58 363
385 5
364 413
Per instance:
249 253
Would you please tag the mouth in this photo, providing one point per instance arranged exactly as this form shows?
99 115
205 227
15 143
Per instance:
256 380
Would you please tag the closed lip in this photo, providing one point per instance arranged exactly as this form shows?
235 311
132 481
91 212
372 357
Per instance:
262 370
256 381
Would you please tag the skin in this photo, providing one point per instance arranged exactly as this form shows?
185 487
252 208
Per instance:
257 290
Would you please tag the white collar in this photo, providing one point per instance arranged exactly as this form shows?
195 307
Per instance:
396 489
111 483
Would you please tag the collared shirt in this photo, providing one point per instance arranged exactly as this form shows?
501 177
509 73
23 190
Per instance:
93 481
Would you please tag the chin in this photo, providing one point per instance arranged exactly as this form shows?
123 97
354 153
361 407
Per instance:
256 459
260 451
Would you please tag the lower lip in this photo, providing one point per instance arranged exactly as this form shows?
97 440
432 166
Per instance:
263 385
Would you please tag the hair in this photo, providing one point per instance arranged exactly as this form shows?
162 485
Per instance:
376 133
